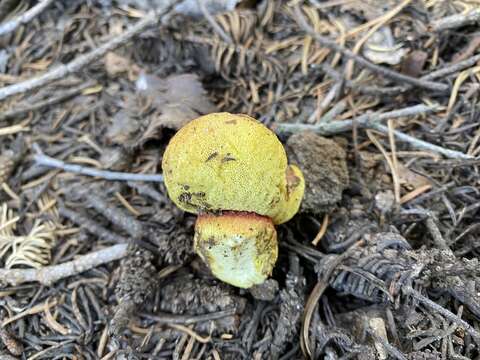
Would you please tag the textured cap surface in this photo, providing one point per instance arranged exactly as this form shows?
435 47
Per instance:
223 161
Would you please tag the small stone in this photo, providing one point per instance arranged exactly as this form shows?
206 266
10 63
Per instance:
265 291
377 325
384 201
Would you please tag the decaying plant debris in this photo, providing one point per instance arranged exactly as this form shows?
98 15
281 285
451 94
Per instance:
377 101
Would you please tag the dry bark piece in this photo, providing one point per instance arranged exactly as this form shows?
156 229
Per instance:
175 246
414 62
178 98
410 179
115 158
160 103
123 128
9 159
7 164
385 201
356 322
323 163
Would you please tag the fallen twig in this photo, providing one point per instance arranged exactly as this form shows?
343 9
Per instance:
438 239
457 20
14 129
372 121
450 69
394 75
392 350
165 318
420 144
47 102
50 274
365 121
24 18
117 216
91 226
73 66
44 160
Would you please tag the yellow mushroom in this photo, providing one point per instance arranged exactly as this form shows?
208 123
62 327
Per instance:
232 164
240 248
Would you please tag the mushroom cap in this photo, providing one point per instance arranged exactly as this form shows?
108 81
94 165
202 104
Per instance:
294 195
239 248
226 161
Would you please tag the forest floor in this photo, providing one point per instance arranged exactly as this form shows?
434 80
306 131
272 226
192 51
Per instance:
376 100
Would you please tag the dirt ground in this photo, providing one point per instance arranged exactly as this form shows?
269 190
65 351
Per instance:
377 101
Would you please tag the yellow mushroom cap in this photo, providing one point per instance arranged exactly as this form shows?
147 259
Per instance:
224 161
239 248
294 194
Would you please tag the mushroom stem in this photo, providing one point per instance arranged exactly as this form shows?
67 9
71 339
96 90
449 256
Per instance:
240 248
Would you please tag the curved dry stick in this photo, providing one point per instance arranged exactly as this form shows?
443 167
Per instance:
24 18
50 274
315 295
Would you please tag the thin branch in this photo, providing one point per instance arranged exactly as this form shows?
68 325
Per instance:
165 318
457 20
372 121
91 226
44 160
334 112
420 144
50 274
115 215
73 66
450 69
64 95
366 120
393 75
438 239
24 18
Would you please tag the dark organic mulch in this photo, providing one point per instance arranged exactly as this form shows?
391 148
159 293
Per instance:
382 260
